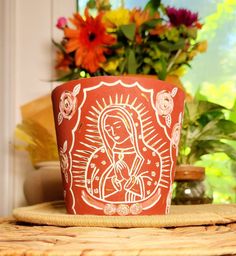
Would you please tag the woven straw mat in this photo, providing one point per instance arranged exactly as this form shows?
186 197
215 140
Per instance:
54 213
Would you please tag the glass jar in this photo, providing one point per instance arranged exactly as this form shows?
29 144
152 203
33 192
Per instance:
190 186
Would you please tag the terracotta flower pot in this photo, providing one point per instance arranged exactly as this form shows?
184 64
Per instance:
118 141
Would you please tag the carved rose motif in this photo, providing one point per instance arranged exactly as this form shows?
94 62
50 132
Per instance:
175 136
67 105
123 209
136 209
164 103
109 209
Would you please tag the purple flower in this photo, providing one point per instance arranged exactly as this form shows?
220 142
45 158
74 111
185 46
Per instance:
61 23
181 16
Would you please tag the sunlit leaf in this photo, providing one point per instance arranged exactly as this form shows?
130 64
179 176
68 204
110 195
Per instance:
132 64
128 30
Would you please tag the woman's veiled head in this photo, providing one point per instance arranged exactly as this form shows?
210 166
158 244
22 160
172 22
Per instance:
119 124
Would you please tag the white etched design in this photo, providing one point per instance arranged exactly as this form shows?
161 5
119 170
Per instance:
168 201
109 209
136 209
122 173
175 135
168 120
123 209
64 162
68 104
165 105
174 92
114 171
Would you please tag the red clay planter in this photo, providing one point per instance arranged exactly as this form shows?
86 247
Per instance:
118 141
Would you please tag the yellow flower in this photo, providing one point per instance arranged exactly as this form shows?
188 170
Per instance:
117 17
181 58
202 46
192 54
111 65
179 72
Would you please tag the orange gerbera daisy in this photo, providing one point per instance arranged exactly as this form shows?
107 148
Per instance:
89 41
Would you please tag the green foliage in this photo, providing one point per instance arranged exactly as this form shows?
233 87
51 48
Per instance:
141 41
220 176
153 5
128 30
205 131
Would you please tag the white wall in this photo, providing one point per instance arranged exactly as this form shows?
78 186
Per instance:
6 106
26 66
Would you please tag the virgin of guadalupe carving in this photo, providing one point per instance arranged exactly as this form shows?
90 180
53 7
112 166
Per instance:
124 169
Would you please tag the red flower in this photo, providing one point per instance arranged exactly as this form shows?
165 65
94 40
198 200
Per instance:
181 16
89 41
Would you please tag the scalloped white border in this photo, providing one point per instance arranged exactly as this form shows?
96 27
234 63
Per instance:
118 82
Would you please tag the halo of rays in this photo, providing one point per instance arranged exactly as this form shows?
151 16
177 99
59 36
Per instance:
94 141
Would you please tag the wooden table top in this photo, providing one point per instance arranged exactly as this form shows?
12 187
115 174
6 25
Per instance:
27 239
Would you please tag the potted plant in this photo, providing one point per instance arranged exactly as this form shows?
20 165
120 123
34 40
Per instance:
42 149
205 130
106 45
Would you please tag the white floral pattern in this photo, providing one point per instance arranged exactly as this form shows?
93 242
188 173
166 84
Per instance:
165 105
68 104
176 132
136 209
175 136
109 209
64 161
123 209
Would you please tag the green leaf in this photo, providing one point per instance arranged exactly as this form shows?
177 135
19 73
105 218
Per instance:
227 128
195 109
205 106
218 146
128 30
132 63
209 147
91 4
59 46
153 5
122 66
162 74
206 130
150 24
233 113
169 47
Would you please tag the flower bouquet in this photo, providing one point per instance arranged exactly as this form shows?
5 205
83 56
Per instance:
156 40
